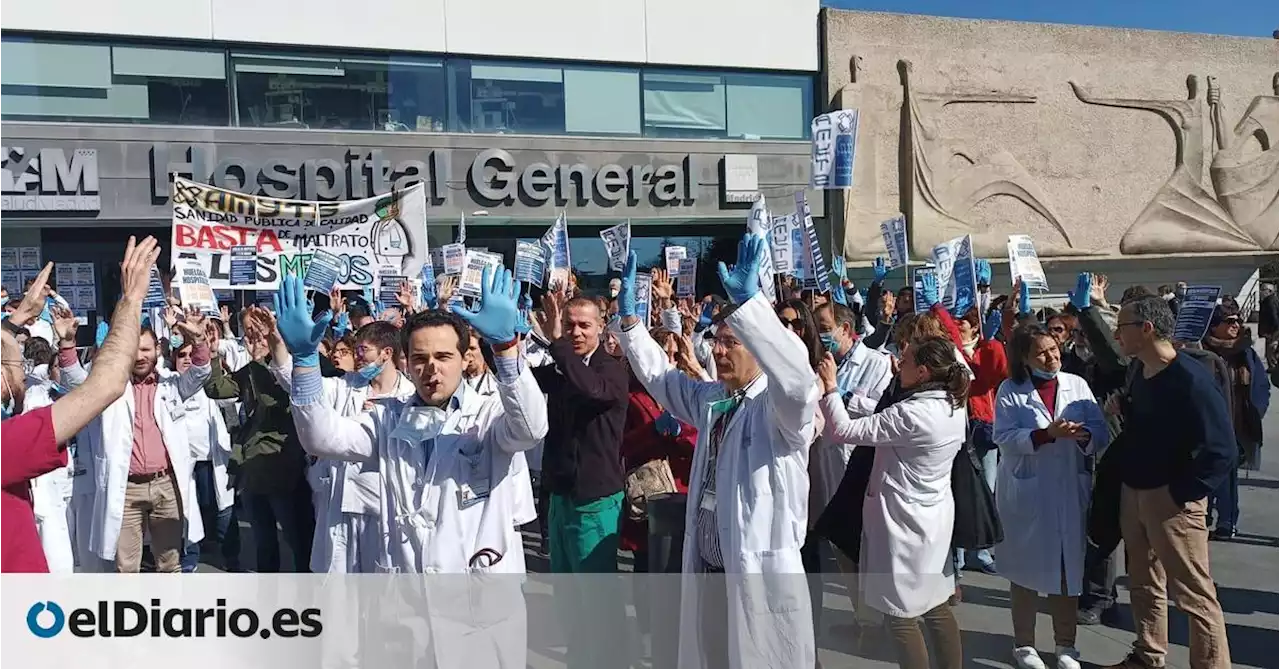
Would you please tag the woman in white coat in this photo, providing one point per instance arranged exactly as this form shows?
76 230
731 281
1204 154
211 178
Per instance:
749 486
908 512
1046 425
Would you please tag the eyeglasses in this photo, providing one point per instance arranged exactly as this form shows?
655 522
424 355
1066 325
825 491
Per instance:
1126 323
794 323
1057 329
1232 321
726 342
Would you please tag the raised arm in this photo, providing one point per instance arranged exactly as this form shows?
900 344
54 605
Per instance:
895 426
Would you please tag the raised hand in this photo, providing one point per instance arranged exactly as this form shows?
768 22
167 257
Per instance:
301 333
224 313
1098 289
65 326
337 304
982 272
627 290
552 309
879 270
498 314
929 289
444 292
667 425
192 326
827 373
991 326
135 269
743 282
662 289
404 295
33 301
170 316
1081 295
1024 298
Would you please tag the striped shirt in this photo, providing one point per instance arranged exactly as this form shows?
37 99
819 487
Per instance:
708 530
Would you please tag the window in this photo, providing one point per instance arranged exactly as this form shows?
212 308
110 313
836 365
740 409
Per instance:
392 93
503 98
735 106
57 81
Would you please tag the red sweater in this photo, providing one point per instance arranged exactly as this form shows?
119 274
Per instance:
642 443
29 451
989 364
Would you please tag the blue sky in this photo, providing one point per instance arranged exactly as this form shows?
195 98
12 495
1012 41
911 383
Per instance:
1256 18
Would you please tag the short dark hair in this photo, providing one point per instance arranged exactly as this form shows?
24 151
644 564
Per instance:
582 301
434 318
1153 310
381 334
842 314
1020 347
146 330
38 351
1134 293
357 309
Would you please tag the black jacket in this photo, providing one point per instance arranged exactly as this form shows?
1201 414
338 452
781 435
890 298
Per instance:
586 409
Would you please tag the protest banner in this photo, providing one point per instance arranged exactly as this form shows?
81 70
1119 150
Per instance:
1025 264
780 228
894 232
644 293
473 274
835 134
687 279
917 284
673 256
455 258
383 233
617 243
155 292
758 224
531 264
815 276
957 274
194 289
1195 312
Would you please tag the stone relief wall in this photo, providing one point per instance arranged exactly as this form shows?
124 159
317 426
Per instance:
1061 132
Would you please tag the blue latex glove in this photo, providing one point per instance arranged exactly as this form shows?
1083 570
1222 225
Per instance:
429 298
742 282
627 288
878 267
704 319
369 298
991 326
342 325
300 332
525 325
982 269
1024 299
837 294
101 335
498 315
1080 296
667 425
929 289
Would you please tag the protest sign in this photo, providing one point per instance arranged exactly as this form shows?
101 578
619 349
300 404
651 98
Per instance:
758 224
780 228
387 231
455 258
673 256
437 260
531 265
1025 264
917 285
644 291
244 266
815 275
957 275
617 243
194 289
1195 312
389 289
427 285
687 281
462 229
835 134
556 241
894 232
29 257
155 292
473 274
322 272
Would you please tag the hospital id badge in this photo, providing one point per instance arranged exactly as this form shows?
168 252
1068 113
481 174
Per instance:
708 502
470 495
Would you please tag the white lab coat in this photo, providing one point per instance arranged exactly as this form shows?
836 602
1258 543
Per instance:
862 376
51 492
110 443
762 484
1043 493
486 385
908 513
347 495
422 522
203 415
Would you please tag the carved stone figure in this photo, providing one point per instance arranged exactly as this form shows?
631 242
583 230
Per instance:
1245 175
863 206
937 196
1182 216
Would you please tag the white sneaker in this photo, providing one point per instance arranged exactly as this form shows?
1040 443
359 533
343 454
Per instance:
1068 657
1026 657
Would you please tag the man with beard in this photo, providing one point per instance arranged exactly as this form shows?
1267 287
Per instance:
33 441
1233 342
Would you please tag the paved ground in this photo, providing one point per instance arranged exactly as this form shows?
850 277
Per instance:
1245 570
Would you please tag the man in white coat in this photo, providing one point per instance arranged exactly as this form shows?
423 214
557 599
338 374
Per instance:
142 458
749 490
447 458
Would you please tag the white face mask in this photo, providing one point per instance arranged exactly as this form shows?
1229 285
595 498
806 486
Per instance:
419 424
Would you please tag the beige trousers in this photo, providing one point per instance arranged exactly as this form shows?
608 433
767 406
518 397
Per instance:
155 506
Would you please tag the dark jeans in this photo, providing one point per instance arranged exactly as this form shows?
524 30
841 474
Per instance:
221 526
1224 503
811 559
296 516
909 644
1099 591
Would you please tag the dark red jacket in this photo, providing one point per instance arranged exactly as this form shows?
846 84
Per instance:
29 450
642 443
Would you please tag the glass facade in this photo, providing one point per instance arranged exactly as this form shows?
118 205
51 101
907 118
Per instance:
59 80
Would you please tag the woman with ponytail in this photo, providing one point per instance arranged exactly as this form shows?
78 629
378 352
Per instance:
908 511
1047 423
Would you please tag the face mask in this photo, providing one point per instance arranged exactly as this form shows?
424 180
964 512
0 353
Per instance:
613 292
4 301
369 372
1043 375
419 424
829 342
175 341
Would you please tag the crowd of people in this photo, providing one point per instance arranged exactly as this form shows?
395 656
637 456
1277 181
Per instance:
420 437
